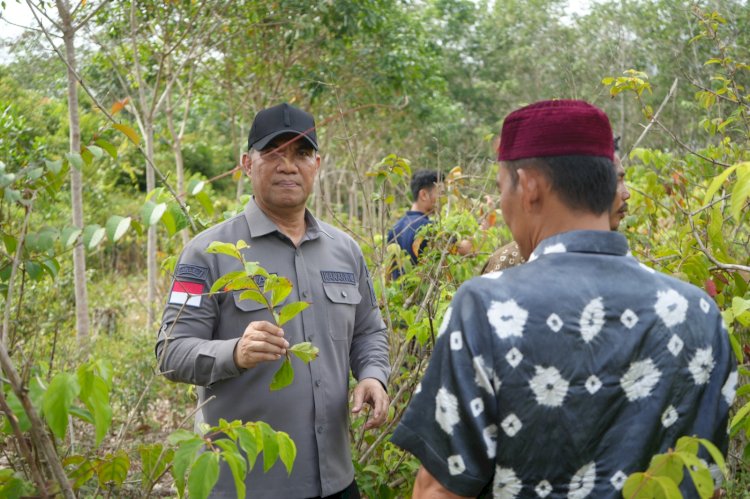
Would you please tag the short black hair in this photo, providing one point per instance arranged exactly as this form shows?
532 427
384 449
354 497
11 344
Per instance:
586 183
424 179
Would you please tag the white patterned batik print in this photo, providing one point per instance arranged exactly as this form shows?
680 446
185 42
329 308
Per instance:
477 407
592 319
506 484
457 341
456 465
493 275
490 440
446 319
704 306
701 365
483 374
555 248
583 482
593 384
554 322
629 318
618 480
549 386
669 417
671 306
641 377
729 390
511 425
507 318
446 410
543 488
675 345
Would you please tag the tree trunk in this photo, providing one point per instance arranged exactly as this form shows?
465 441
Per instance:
178 159
76 186
151 247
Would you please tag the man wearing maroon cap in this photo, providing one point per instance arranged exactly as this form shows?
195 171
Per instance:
561 377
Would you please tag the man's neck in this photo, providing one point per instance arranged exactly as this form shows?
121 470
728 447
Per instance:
291 223
416 207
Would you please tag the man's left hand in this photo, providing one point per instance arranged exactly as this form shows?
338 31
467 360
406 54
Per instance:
370 391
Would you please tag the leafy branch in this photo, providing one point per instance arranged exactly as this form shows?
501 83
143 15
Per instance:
271 292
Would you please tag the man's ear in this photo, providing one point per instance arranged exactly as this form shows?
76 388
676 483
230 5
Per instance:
246 163
531 186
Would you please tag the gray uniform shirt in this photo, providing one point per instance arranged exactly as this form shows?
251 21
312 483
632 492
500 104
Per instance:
197 344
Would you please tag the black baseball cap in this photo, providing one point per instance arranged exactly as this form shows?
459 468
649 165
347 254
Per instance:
277 120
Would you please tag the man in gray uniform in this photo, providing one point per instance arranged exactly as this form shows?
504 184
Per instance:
231 349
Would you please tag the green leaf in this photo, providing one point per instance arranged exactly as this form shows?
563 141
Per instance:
305 351
667 465
254 268
224 248
128 131
739 305
716 455
58 398
11 243
116 227
96 151
179 436
195 186
741 191
69 236
287 450
107 146
113 469
250 442
283 377
227 278
290 310
17 408
184 456
95 396
153 463
33 269
93 235
279 287
717 182
12 486
668 487
237 465
174 219
151 212
270 445
51 266
54 166
738 420
75 160
702 479
203 475
83 470
206 202
637 483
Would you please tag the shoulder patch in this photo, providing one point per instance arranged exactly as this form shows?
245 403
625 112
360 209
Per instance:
334 276
186 271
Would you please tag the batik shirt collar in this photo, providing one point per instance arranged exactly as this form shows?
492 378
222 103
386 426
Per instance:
582 241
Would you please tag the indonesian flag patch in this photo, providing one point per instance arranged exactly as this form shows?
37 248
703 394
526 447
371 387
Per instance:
186 293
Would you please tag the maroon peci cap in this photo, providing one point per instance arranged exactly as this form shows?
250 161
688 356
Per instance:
556 128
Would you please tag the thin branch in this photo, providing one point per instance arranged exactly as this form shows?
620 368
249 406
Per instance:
654 118
88 17
43 12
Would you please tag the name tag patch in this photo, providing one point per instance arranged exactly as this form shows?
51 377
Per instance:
334 276
195 272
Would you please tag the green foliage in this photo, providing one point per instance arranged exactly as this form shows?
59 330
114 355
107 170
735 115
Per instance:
665 472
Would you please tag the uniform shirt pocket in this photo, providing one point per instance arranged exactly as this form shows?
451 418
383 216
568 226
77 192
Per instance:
341 308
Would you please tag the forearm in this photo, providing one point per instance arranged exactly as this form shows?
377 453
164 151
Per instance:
196 361
369 356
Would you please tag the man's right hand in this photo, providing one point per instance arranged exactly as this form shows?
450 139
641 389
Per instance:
261 342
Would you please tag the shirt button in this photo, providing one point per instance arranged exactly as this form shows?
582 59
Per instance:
317 382
343 293
320 429
304 294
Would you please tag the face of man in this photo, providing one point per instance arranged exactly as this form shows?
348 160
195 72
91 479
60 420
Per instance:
620 205
282 174
432 197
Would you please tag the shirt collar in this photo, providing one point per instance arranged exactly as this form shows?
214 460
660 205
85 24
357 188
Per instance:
583 241
260 225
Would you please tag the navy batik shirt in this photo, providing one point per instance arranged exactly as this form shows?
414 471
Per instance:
562 376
